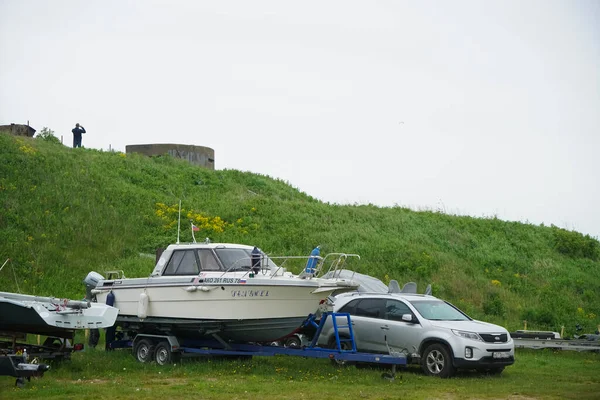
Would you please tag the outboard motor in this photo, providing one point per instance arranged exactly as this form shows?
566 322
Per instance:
91 281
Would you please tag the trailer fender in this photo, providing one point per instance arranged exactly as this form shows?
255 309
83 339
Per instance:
155 339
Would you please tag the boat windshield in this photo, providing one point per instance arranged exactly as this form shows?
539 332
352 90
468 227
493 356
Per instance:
438 310
233 259
240 259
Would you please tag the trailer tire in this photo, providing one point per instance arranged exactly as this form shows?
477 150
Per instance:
144 351
94 338
53 342
345 346
163 354
293 342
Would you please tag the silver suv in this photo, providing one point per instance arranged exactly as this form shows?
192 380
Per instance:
430 331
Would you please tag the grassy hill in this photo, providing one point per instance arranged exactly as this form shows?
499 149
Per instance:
65 212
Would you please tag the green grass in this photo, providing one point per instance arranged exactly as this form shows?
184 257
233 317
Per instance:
95 374
65 212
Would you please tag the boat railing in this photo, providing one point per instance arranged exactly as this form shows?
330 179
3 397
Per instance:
270 266
289 259
265 266
335 263
332 264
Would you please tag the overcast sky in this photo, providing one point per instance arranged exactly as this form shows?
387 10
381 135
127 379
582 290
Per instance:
480 108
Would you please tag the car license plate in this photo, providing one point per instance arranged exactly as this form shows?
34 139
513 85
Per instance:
501 354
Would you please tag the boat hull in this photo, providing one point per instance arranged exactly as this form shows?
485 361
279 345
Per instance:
22 313
245 330
259 311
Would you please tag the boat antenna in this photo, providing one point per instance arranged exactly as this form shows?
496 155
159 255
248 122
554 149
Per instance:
5 262
179 221
14 273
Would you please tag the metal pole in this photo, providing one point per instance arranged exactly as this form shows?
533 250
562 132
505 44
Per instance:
179 222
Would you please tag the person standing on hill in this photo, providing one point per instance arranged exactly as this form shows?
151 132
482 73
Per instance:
77 131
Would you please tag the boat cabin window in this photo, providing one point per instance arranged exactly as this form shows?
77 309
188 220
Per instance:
182 263
208 262
191 262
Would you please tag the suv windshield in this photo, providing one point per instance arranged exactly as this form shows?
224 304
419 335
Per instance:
438 310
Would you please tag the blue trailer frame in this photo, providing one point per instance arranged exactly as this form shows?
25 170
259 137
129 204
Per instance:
165 348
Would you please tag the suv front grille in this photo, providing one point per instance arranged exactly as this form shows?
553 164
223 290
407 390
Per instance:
494 338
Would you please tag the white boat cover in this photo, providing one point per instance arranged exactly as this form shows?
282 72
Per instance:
368 283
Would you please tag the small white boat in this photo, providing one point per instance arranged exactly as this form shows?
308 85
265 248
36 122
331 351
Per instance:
233 291
52 316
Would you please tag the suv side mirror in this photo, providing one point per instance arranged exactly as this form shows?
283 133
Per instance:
407 318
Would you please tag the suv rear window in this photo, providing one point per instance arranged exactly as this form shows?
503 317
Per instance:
372 308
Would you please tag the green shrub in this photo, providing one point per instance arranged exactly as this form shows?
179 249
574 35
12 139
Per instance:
47 135
575 244
493 305
540 319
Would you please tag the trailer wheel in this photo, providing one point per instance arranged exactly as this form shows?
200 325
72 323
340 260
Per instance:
344 347
144 350
293 341
94 338
53 342
163 354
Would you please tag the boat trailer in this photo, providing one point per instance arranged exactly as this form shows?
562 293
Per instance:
553 340
557 344
15 353
165 349
17 365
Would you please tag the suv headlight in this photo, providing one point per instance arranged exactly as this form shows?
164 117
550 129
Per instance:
467 335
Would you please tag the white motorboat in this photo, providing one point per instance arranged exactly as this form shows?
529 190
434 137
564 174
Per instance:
52 316
232 291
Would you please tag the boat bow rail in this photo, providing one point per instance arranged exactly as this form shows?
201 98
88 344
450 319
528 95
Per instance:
336 264
328 267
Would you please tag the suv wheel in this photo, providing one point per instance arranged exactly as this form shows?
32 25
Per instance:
437 361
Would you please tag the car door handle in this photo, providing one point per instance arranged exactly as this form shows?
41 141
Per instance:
385 327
